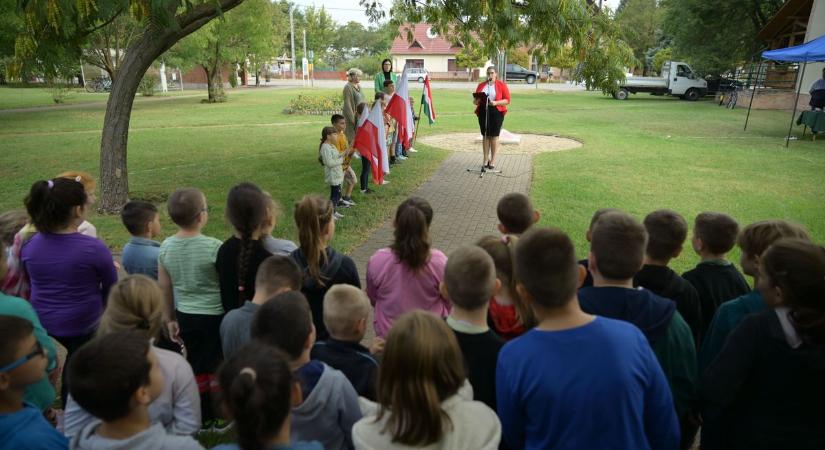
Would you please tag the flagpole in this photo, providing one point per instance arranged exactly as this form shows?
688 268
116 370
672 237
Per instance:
420 108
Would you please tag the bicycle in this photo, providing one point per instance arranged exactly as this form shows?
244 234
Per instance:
730 96
99 84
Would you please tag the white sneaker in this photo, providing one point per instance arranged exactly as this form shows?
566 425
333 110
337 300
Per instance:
402 157
412 150
348 202
385 182
337 216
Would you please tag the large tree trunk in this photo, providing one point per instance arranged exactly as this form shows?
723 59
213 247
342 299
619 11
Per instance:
214 84
114 175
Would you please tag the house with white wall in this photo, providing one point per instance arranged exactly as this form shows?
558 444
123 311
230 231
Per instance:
429 50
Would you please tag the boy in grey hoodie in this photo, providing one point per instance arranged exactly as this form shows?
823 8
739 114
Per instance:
115 378
330 407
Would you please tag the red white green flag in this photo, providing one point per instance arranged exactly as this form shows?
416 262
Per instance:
427 101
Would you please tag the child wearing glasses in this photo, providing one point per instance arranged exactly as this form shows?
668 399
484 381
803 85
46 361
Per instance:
22 363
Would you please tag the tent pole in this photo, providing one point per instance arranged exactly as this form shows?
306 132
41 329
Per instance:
755 85
796 101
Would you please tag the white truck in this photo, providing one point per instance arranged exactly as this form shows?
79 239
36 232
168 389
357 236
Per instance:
677 79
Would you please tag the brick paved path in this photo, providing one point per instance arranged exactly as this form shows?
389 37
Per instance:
464 205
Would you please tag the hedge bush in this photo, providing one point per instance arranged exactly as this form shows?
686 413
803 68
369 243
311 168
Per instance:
313 105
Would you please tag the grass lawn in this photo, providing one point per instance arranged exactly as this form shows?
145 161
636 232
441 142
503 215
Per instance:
38 97
181 142
648 153
638 155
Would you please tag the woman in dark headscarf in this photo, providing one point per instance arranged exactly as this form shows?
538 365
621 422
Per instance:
386 73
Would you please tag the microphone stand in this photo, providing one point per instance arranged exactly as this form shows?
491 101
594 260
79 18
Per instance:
485 138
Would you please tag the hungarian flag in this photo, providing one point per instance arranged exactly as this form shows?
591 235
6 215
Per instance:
399 108
371 142
427 101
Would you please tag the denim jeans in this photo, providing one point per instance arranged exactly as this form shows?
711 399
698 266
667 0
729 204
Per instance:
335 195
365 173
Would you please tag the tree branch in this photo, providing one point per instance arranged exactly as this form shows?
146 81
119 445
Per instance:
103 25
201 15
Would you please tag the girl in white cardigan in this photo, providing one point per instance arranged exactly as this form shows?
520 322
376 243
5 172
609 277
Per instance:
424 401
332 161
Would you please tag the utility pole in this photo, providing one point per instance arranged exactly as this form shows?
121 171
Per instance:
305 60
292 41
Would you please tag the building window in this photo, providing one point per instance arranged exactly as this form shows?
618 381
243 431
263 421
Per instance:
414 63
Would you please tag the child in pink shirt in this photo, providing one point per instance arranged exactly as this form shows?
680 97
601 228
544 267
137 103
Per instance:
406 275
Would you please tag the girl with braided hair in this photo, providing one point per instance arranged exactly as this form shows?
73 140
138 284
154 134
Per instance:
239 257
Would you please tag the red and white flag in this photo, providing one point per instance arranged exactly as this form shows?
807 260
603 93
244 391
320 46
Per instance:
371 142
400 109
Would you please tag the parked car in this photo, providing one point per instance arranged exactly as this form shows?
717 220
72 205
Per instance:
417 73
677 79
722 84
516 72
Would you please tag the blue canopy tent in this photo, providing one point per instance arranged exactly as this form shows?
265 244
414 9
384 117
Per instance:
811 51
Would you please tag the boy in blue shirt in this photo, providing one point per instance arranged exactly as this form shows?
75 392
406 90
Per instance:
577 381
22 363
140 254
617 250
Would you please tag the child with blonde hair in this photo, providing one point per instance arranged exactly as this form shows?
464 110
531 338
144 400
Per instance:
422 396
136 303
346 312
272 244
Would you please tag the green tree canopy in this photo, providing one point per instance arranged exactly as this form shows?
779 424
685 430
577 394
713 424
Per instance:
717 36
548 25
56 30
640 22
245 32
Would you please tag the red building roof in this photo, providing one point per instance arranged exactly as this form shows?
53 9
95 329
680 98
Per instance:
425 42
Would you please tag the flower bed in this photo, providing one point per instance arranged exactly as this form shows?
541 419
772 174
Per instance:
315 105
